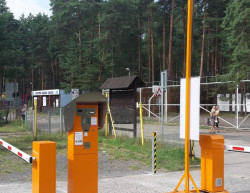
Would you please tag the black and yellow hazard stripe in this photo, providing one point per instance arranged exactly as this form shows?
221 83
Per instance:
155 148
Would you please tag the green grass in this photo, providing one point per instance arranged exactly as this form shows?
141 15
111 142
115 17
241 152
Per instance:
122 148
24 142
9 164
168 157
154 121
204 127
16 126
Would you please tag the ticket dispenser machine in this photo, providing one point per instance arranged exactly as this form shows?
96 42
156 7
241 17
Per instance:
83 117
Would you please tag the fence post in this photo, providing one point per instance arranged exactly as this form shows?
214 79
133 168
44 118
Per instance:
49 118
61 121
106 118
237 107
25 120
35 120
154 166
142 129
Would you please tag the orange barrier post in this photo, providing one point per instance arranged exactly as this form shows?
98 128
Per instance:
212 163
44 167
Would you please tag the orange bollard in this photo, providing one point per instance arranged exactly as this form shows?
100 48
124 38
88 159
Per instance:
44 167
212 163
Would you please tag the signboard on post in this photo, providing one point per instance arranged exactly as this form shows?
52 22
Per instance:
164 80
158 93
75 93
194 108
45 92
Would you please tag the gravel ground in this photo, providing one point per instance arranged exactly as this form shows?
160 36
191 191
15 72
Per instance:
108 168
131 176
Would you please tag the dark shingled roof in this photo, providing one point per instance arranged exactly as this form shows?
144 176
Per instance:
124 82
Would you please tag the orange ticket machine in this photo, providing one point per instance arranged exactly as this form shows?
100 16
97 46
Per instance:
83 117
212 163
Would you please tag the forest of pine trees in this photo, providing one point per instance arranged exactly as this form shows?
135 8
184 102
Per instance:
85 42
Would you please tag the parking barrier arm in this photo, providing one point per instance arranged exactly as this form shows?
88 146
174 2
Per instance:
237 148
17 152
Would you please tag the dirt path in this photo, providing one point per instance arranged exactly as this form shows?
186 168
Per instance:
20 171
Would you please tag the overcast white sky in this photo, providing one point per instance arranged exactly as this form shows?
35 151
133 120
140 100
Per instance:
19 7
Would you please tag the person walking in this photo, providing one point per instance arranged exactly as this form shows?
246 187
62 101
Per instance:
212 119
217 111
23 111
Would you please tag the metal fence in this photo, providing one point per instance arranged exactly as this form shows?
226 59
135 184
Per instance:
9 115
48 120
168 130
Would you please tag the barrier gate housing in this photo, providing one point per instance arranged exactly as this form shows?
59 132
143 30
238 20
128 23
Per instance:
84 116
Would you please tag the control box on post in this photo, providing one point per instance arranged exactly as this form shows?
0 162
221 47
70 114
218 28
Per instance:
83 117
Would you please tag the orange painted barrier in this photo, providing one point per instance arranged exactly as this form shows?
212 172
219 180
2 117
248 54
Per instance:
212 163
44 167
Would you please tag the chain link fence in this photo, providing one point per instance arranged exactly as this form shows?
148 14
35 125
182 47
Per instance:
48 120
9 115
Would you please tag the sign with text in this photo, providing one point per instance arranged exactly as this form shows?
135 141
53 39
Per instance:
194 114
45 92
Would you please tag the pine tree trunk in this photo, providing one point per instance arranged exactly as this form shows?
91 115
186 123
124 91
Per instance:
152 47
164 41
53 74
152 56
221 61
208 61
41 74
212 63
184 42
149 53
217 49
92 27
80 43
139 47
56 73
170 67
32 76
203 41
100 54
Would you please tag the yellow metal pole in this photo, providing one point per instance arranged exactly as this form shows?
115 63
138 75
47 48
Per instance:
176 189
196 188
112 120
142 129
106 122
188 75
35 120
